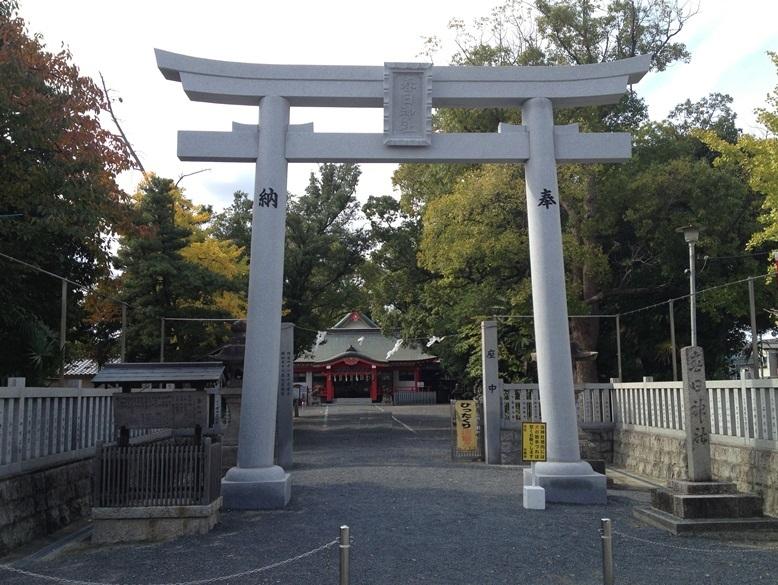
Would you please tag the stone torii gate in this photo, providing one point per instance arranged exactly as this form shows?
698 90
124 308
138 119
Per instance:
407 92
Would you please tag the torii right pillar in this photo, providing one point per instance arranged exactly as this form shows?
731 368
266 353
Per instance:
564 476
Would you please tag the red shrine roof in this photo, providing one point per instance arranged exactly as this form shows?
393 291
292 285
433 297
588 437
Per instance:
358 336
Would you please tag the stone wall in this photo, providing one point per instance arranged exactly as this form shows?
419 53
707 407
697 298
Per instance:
656 455
663 456
753 470
596 443
38 503
510 447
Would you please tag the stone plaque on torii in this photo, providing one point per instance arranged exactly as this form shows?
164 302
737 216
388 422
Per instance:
407 92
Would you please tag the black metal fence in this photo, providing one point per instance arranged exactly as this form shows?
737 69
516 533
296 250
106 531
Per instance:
168 473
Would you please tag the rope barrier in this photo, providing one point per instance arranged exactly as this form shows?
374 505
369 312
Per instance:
692 549
195 582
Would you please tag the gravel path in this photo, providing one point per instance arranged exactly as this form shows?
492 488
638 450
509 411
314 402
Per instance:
415 517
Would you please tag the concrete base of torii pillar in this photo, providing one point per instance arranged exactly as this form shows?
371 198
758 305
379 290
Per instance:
569 482
259 488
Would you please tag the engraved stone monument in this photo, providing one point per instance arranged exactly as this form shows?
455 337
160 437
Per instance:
699 503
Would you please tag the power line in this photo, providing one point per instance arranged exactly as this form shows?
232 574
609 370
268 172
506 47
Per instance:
63 278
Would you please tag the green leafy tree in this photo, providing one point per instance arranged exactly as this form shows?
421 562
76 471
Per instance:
58 197
756 158
158 281
234 223
323 252
619 253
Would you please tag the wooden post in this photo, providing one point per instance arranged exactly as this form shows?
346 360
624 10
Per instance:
97 480
374 384
329 388
123 339
207 471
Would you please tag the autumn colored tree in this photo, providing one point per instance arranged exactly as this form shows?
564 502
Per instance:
59 200
170 269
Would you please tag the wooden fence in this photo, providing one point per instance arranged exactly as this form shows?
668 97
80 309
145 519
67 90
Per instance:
168 473
42 427
745 411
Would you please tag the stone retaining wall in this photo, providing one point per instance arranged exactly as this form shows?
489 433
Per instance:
655 455
663 456
596 443
38 503
753 470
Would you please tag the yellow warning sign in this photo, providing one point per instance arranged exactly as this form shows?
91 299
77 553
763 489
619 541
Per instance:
466 423
533 441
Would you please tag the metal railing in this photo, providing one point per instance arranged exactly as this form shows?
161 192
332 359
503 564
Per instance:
403 397
167 473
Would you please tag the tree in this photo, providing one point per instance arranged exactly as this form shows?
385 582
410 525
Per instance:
234 223
756 158
323 252
612 215
158 280
58 193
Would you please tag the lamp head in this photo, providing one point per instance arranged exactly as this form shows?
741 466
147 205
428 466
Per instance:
691 233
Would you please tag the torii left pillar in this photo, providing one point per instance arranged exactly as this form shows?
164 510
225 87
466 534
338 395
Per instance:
255 483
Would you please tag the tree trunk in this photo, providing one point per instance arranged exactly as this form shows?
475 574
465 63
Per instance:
584 332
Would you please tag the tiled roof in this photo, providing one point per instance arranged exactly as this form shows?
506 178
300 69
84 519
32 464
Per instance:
372 345
160 372
84 367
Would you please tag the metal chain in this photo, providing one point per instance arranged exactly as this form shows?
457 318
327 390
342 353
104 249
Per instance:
705 550
196 582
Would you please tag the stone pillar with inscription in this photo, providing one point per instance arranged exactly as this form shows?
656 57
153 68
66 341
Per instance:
256 483
491 392
564 476
701 503
285 407
696 413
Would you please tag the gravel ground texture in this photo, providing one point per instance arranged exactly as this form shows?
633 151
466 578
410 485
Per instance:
415 517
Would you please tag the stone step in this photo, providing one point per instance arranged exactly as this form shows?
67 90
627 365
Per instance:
702 487
707 505
679 526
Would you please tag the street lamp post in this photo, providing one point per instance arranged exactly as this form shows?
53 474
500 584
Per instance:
691 234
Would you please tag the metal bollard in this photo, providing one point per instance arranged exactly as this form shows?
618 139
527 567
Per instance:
606 534
344 550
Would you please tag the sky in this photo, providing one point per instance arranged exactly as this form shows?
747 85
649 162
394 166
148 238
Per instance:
728 41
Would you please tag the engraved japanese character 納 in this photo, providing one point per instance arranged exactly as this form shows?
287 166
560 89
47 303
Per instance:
267 197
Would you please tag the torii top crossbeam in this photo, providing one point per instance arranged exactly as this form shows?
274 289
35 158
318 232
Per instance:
407 112
226 82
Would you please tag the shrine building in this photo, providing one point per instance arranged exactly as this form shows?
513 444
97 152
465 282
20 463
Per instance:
355 360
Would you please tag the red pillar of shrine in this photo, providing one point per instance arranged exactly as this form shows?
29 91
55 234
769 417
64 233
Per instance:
374 385
329 389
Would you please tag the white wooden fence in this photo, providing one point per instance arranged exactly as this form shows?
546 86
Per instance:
43 427
743 411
